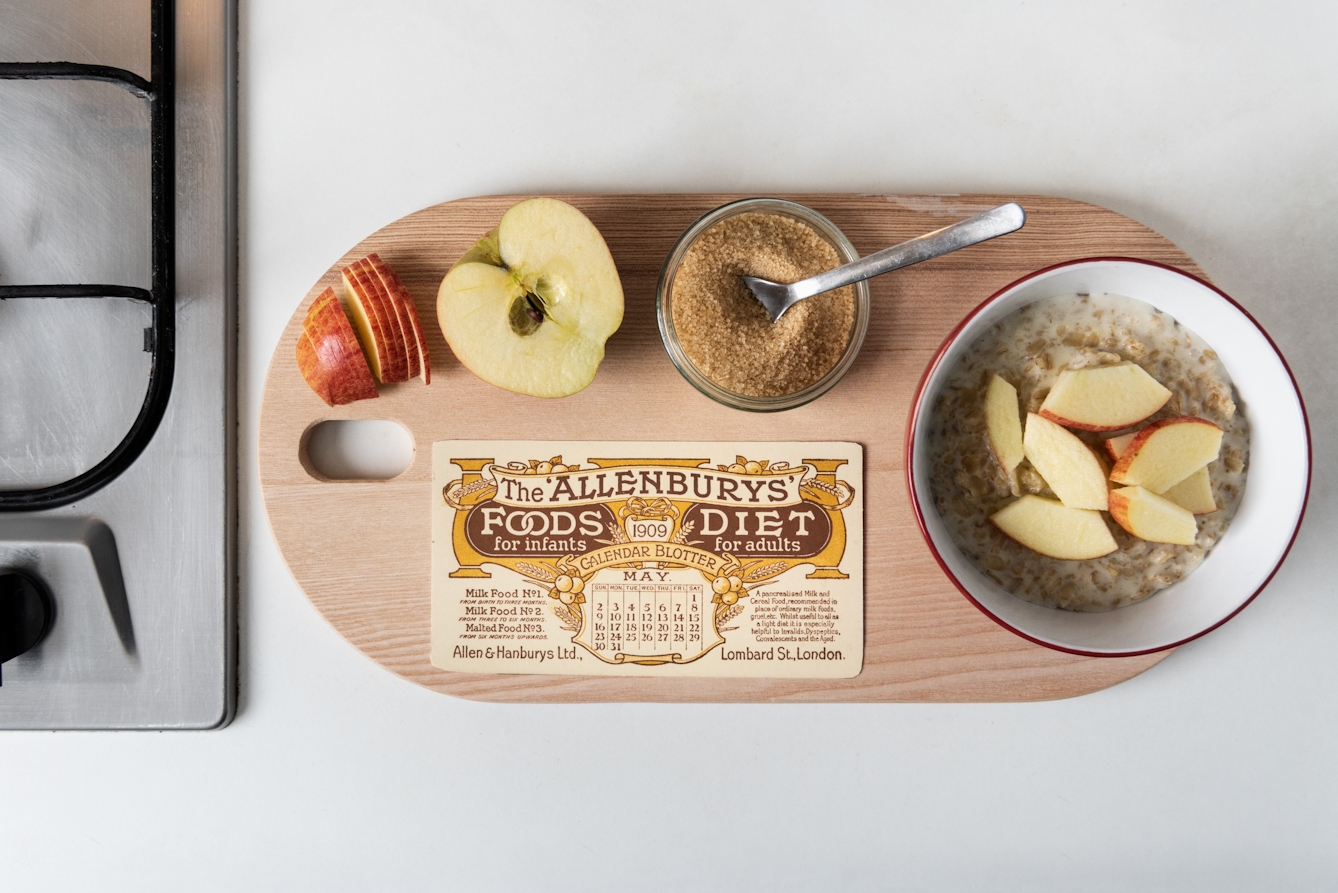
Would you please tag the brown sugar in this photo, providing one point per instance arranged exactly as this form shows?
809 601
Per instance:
724 330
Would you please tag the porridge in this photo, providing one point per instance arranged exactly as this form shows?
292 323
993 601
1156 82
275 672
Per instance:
1029 350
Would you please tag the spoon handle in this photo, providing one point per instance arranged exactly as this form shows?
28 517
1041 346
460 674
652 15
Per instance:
987 225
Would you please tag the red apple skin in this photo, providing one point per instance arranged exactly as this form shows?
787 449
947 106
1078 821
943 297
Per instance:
378 350
392 315
1080 426
1110 447
384 323
329 356
1101 429
1127 457
315 374
1119 510
401 325
398 291
1119 513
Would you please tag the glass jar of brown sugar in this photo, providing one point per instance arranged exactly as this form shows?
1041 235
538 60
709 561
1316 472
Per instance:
718 335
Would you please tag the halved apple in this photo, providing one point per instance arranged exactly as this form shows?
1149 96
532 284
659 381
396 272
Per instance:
1105 398
377 326
399 293
1166 452
529 307
1116 446
1003 427
1151 517
328 354
1194 493
1068 465
1053 529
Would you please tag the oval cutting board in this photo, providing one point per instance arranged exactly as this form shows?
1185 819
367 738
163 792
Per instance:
361 550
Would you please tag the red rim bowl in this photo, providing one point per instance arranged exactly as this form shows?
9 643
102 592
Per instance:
1276 488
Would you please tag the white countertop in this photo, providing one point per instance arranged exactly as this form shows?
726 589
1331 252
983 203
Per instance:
1214 123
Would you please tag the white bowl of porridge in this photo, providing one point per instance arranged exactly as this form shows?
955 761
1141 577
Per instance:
1220 366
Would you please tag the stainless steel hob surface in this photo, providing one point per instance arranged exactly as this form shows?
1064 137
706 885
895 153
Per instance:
141 571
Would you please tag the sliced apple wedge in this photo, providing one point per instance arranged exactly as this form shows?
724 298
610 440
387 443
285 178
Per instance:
529 307
1068 465
328 354
398 292
401 324
1053 529
1194 493
1105 398
377 326
1116 446
1166 452
1151 517
1003 427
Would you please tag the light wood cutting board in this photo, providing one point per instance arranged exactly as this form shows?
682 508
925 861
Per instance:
361 550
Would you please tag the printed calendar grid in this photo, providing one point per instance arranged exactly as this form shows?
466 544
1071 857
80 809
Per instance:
649 619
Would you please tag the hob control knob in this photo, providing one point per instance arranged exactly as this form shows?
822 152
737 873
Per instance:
26 612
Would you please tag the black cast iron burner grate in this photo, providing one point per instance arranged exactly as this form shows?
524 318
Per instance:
161 298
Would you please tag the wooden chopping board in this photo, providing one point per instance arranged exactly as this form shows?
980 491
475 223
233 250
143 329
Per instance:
361 550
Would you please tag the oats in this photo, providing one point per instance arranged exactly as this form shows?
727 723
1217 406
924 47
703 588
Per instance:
1060 330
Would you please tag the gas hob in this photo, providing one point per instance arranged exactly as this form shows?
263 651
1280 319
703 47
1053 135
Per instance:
117 350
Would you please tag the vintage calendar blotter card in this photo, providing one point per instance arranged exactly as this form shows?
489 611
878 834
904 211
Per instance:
648 559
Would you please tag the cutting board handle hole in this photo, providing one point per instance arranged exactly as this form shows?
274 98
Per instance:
357 450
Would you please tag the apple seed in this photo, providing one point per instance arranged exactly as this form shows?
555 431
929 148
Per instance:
525 316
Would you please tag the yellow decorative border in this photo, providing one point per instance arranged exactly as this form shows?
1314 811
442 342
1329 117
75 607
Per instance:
730 580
